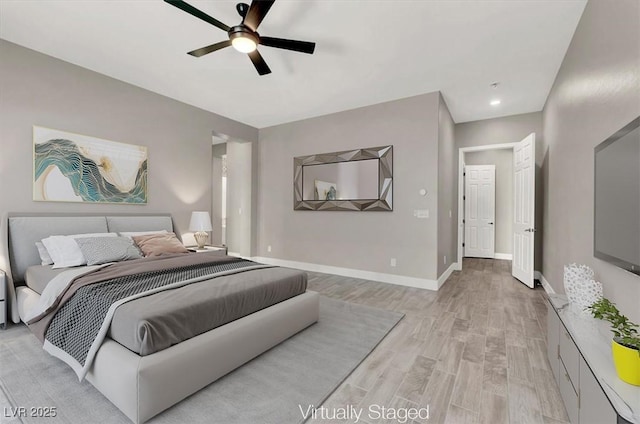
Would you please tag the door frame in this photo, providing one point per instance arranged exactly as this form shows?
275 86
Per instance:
461 163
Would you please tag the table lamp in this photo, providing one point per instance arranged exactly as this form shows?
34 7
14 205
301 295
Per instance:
200 224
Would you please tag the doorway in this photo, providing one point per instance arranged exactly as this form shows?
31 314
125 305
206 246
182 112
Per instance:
219 193
233 191
522 207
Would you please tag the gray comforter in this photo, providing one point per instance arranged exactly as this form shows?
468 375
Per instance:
156 321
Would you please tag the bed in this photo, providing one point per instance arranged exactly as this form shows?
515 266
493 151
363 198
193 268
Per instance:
143 385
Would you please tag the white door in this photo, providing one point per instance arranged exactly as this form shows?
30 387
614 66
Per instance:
479 211
524 165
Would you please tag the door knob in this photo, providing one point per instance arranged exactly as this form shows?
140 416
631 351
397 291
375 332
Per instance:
491 223
530 230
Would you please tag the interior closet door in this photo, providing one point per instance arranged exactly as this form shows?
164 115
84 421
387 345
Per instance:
480 210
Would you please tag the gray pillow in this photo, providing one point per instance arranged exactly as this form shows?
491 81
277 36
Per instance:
100 250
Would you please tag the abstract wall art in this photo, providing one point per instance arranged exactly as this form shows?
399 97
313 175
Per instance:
70 167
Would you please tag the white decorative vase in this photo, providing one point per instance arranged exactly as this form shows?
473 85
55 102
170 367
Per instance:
580 287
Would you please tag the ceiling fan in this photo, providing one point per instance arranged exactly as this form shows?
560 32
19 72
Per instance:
244 36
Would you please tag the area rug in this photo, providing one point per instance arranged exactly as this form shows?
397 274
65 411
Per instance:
304 370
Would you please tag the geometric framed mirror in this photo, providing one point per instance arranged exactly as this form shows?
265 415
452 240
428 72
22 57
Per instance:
351 180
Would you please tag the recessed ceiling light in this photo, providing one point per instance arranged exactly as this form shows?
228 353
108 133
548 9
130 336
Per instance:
495 102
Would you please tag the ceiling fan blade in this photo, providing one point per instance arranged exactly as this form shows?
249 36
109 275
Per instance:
257 11
259 63
210 49
295 45
198 14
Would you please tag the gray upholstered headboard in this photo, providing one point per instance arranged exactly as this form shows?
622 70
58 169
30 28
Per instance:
26 229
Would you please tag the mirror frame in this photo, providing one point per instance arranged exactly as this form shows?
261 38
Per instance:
384 202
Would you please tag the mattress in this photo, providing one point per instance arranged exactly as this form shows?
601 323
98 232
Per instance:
155 322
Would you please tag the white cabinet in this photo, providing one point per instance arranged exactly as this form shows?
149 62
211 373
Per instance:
3 300
594 406
585 400
553 341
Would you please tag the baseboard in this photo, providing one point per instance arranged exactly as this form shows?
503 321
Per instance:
401 280
504 256
500 256
545 284
447 274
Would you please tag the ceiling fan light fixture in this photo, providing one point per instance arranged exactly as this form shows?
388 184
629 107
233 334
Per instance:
243 41
244 44
244 36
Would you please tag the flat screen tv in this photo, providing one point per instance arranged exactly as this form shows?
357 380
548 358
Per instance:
617 199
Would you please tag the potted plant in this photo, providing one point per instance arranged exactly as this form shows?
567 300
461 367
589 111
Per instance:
626 341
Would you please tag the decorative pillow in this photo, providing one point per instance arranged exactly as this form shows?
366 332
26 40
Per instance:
64 250
159 244
131 234
100 250
44 254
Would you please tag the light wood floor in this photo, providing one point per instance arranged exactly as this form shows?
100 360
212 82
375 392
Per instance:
474 352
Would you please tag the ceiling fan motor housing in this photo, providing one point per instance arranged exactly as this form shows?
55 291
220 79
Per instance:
242 9
244 32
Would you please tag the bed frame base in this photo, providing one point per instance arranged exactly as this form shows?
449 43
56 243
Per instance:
143 386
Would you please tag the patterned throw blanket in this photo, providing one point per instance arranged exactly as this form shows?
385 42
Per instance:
78 324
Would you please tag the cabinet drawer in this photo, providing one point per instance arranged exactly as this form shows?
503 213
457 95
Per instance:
3 313
569 395
570 357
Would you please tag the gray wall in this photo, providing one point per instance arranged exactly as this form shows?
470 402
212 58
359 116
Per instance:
511 129
596 92
36 89
508 129
503 160
447 189
356 240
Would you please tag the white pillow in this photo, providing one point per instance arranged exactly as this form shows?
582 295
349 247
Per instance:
64 250
45 258
132 234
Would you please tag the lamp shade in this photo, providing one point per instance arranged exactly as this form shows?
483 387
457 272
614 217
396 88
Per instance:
200 221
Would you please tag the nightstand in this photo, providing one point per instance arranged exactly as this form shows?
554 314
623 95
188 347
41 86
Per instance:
3 300
210 249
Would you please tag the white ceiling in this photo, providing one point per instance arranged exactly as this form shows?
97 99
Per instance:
367 52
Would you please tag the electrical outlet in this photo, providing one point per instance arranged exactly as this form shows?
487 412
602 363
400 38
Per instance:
450 214
269 248
393 261
445 259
